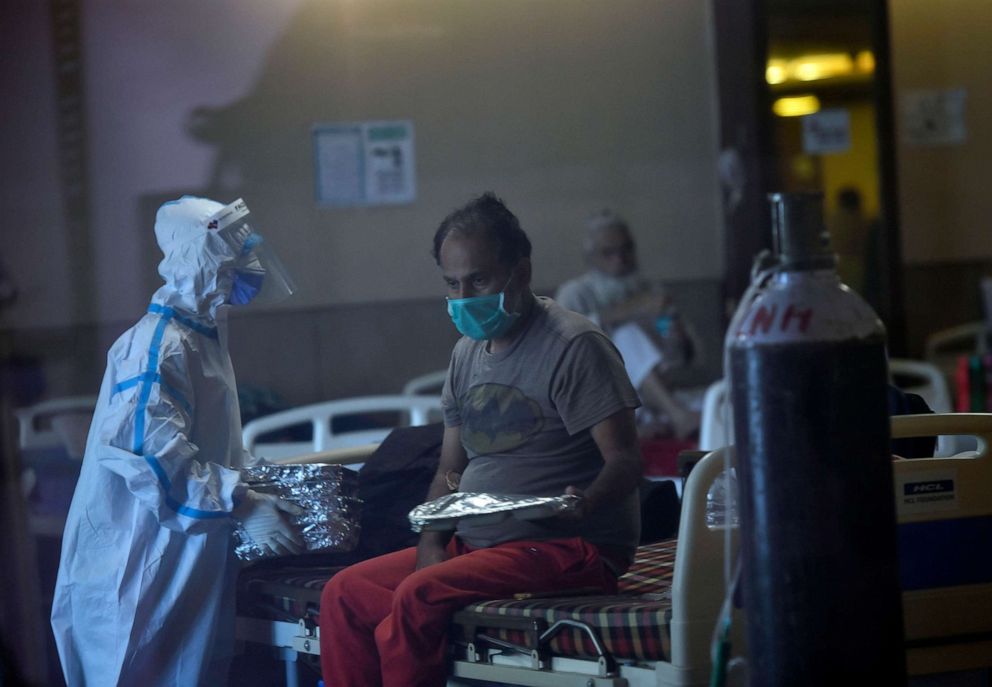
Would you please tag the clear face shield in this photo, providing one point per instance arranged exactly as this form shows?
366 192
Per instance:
259 275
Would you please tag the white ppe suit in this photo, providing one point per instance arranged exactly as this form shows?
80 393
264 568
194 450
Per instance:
145 591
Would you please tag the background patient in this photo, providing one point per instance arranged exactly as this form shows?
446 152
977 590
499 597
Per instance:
640 318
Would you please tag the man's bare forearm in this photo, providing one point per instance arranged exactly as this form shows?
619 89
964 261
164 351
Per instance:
453 462
615 481
616 438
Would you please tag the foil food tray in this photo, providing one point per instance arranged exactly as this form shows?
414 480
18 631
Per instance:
328 496
445 512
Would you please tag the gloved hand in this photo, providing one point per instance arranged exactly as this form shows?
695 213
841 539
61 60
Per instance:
263 517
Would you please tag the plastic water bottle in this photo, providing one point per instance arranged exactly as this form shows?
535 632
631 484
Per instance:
676 348
721 501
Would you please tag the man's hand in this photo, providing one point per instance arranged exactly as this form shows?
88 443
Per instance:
430 550
579 511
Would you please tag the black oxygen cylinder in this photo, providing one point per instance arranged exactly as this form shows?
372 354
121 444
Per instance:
808 375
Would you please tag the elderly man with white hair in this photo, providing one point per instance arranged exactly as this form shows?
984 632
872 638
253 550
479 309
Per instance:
637 314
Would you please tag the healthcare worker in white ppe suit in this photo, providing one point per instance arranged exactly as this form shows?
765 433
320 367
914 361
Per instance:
145 591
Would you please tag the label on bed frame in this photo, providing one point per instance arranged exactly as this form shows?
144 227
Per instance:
925 492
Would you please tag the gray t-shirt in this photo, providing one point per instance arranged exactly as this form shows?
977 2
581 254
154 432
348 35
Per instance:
525 415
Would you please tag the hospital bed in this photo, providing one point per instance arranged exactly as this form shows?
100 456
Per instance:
944 346
383 413
657 632
944 506
912 376
51 443
279 607
429 383
52 439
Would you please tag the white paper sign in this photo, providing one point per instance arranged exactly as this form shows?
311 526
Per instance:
934 117
827 131
364 163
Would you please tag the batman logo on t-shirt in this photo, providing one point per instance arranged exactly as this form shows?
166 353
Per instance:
498 418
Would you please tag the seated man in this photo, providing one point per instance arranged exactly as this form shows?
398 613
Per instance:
637 315
536 403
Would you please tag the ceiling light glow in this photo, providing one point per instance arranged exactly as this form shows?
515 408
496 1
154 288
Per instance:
796 106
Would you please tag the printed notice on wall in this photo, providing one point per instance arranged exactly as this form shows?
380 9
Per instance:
827 131
364 163
934 117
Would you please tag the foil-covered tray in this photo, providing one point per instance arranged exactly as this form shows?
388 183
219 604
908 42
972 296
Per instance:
328 496
445 512
287 476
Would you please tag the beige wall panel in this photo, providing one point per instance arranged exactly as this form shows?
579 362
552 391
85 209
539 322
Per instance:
945 204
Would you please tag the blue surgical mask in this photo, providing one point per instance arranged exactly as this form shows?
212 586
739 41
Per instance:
246 286
482 317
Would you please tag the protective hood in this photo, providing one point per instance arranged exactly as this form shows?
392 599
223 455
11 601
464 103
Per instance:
199 262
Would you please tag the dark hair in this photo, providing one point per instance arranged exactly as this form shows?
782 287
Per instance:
488 216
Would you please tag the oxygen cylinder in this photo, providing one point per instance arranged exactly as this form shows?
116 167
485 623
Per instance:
808 376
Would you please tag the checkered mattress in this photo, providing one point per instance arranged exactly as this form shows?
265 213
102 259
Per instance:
632 624
288 593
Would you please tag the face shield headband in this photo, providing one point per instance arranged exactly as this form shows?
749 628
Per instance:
259 275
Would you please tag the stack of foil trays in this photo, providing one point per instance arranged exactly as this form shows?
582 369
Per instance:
328 496
485 509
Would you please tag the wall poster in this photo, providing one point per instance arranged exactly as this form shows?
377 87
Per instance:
360 164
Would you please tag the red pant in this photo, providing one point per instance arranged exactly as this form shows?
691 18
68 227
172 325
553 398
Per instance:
383 623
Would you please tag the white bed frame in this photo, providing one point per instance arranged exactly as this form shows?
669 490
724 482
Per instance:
956 622
414 411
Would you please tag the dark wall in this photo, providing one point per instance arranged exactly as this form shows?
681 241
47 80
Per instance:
941 295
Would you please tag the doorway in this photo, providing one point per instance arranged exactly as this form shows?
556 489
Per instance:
818 117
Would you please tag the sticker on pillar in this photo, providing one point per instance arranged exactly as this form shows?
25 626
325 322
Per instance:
932 117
